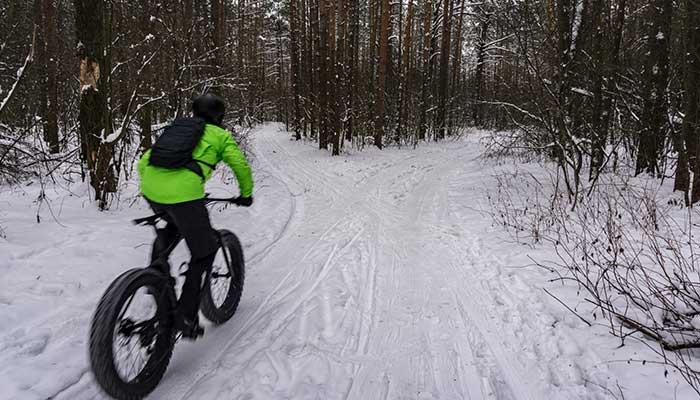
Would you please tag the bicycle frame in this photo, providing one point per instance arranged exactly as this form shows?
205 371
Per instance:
154 219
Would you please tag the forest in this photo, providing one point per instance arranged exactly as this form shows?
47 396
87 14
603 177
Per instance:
89 83
603 94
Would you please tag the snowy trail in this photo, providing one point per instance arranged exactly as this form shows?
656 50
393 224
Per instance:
372 279
368 304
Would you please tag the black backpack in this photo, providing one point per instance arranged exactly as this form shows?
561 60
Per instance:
174 147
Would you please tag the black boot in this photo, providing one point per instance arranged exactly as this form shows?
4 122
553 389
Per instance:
188 304
165 237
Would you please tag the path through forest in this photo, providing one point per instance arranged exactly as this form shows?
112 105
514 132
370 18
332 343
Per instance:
370 276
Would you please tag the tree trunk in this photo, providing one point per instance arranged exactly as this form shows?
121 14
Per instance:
405 69
353 53
294 65
564 61
426 68
218 23
40 62
373 34
381 77
444 68
92 118
691 122
317 64
599 113
457 62
685 137
241 36
342 63
145 121
654 112
324 69
480 60
51 118
333 72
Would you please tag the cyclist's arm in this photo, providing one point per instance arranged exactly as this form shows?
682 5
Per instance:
235 159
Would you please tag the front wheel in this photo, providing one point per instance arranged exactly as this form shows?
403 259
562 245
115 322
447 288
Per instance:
132 335
224 283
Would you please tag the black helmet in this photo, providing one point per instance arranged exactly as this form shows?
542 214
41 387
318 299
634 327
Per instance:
210 108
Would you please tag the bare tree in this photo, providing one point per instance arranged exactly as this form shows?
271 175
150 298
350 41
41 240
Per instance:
656 70
380 96
94 119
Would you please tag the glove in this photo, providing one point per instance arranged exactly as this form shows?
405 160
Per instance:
244 201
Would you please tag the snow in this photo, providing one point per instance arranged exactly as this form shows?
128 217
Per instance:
112 137
369 275
696 322
575 29
581 91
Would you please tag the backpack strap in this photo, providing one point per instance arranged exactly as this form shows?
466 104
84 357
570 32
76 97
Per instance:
194 166
212 166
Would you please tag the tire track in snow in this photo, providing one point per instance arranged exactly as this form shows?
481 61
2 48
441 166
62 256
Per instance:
296 212
328 182
387 211
503 380
277 321
487 346
512 339
422 364
368 298
322 178
266 306
257 257
399 277
253 260
431 192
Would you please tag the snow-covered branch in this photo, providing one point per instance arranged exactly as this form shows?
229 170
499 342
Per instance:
19 75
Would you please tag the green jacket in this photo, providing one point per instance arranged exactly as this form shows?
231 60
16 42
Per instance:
171 186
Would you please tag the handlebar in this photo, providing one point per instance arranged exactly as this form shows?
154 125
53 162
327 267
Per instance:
232 200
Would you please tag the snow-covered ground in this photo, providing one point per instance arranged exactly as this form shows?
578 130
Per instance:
373 275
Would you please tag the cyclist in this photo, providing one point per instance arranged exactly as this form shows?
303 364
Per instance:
173 174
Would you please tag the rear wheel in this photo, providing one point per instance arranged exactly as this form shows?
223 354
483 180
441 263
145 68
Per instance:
224 282
132 335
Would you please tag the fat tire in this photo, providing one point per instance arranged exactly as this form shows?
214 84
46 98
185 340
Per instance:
102 336
219 315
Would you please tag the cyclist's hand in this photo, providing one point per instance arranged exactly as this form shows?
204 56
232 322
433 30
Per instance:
244 201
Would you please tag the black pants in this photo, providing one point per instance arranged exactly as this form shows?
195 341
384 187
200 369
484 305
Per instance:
191 221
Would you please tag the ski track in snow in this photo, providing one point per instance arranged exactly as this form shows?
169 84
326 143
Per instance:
373 282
